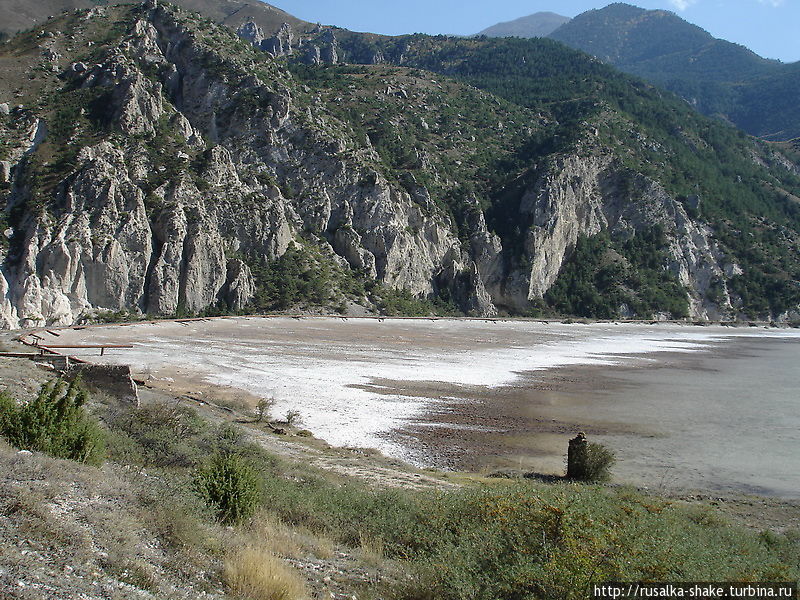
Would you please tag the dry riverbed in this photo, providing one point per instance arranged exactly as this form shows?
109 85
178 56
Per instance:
487 395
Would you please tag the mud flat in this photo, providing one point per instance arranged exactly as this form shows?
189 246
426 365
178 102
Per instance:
708 408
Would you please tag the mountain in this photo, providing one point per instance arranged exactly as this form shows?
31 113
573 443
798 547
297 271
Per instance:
16 15
152 162
717 77
540 24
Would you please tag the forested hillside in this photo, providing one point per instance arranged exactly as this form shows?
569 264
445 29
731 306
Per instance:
154 163
716 77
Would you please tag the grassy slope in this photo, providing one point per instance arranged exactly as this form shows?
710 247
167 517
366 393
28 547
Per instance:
135 524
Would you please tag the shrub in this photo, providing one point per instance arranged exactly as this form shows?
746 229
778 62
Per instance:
599 461
161 434
592 462
293 418
55 422
263 409
256 574
230 486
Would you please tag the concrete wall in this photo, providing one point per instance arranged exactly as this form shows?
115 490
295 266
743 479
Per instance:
116 381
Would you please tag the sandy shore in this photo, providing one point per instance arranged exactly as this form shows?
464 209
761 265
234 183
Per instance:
526 425
475 395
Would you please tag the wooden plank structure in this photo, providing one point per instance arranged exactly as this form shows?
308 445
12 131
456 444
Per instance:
102 347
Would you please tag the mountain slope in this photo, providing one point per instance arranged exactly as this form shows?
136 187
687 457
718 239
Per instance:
540 24
640 135
717 77
171 168
16 15
183 171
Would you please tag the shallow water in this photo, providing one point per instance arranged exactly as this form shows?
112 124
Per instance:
730 422
706 407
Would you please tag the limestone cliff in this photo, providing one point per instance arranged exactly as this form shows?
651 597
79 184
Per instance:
119 236
161 170
584 195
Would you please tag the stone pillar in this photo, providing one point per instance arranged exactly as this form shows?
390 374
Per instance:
576 457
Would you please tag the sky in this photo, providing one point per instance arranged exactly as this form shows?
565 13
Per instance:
768 27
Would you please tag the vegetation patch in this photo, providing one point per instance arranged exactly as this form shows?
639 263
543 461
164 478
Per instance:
402 303
229 485
256 574
55 422
603 277
303 277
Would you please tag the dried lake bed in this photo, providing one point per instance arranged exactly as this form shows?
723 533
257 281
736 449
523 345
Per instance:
705 408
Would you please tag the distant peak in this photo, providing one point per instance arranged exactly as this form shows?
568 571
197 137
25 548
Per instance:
540 24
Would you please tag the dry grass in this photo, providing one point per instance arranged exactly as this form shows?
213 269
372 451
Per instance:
371 550
254 573
270 532
65 525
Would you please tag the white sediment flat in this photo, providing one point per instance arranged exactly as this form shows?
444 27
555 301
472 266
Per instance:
330 370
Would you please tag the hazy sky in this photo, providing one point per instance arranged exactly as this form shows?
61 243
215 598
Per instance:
768 27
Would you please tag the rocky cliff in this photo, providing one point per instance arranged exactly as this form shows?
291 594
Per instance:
115 235
584 195
159 168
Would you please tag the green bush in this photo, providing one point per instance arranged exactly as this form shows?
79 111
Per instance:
55 422
525 540
593 463
160 435
230 486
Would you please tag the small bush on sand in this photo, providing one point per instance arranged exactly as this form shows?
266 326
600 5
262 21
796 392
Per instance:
599 460
256 574
589 462
230 486
293 418
55 422
263 408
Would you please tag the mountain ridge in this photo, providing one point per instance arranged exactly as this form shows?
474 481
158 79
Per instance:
540 24
717 77
172 168
18 15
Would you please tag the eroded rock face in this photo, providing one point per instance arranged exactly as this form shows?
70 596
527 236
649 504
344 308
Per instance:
584 195
282 43
248 170
251 32
122 235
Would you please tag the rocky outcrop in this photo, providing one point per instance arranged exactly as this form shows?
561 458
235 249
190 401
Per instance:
128 230
584 194
282 43
313 55
239 285
251 32
330 50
